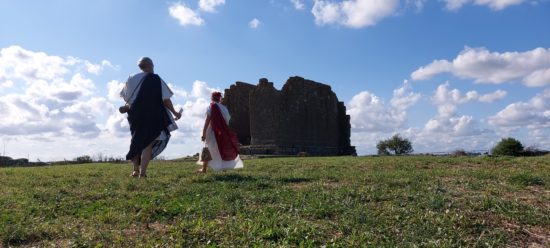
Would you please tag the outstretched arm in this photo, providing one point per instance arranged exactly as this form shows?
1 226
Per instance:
168 104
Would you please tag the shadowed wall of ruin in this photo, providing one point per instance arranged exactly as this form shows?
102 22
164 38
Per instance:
304 116
236 98
310 114
266 115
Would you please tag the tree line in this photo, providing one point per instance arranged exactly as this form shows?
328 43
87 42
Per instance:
397 145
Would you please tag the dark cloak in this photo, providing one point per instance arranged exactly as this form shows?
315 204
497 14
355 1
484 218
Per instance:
148 118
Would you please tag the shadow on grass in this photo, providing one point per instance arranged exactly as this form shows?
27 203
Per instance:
236 178
295 180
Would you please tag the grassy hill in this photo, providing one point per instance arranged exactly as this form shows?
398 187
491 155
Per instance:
337 202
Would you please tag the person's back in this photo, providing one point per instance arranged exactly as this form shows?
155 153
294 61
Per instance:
219 139
148 108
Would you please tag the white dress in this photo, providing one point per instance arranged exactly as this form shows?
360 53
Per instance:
217 163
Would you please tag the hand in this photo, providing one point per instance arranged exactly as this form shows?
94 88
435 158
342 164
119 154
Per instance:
123 109
177 115
203 138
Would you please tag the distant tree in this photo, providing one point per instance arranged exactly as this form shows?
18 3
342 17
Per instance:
394 145
508 147
83 159
100 157
459 152
533 150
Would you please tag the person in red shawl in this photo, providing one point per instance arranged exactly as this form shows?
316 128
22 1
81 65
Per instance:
219 138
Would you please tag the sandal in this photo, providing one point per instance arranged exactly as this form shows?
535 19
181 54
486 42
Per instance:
200 170
135 174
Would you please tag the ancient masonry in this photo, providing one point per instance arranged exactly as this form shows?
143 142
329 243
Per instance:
305 117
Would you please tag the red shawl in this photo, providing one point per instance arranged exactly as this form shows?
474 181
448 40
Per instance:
225 137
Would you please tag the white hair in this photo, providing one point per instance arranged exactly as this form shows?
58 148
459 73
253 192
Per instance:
144 61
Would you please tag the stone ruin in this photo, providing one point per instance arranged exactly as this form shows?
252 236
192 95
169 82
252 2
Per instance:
304 118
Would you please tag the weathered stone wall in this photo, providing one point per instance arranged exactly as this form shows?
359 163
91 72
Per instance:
344 142
266 115
311 114
304 116
237 100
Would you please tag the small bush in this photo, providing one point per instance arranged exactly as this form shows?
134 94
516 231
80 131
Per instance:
394 145
459 153
534 151
83 159
508 147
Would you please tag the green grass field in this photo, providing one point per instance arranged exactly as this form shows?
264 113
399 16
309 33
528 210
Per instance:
283 202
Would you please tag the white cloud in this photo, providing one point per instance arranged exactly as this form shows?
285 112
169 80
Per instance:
447 122
491 97
326 12
6 84
403 98
447 100
538 78
418 4
117 125
201 90
93 106
113 88
55 99
459 133
353 13
61 114
178 92
453 126
17 63
254 23
492 67
455 4
210 5
448 131
373 120
496 5
370 114
298 4
185 15
436 67
534 114
96 69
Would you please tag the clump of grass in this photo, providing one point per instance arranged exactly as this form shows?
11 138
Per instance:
527 179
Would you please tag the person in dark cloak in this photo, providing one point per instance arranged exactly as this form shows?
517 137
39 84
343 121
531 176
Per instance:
151 115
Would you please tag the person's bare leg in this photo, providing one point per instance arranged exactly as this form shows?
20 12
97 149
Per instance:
203 168
135 162
145 158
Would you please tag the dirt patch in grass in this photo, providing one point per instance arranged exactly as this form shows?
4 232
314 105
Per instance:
155 227
334 184
528 235
300 185
51 243
532 195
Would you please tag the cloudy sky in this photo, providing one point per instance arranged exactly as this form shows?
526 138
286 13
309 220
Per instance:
447 74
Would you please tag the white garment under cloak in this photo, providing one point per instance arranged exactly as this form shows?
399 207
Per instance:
217 164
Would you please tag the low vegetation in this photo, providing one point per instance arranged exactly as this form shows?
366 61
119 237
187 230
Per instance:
508 147
396 145
399 201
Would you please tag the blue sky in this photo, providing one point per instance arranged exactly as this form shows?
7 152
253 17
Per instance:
447 74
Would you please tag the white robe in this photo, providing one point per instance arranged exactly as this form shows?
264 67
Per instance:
217 164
